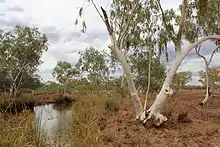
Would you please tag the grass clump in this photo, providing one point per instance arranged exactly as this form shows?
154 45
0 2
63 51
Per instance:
111 105
83 129
18 131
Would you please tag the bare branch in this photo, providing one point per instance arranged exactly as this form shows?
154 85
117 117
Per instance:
109 28
193 45
213 52
97 10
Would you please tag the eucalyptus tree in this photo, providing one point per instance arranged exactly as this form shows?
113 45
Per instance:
207 63
181 79
155 69
95 65
64 72
209 78
20 52
131 25
190 25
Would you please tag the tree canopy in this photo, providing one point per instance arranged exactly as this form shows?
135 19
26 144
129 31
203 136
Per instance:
20 55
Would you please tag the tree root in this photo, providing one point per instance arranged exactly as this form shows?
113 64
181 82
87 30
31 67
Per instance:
147 115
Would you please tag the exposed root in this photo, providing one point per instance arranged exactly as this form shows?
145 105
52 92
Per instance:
154 110
161 118
147 115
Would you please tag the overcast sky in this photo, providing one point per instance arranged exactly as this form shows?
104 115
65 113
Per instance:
56 19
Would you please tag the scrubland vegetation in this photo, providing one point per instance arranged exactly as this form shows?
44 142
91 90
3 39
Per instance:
110 110
100 120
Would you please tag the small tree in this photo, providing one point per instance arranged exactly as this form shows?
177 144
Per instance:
209 79
207 63
141 69
63 72
181 79
94 64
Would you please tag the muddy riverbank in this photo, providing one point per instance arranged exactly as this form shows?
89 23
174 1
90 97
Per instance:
29 101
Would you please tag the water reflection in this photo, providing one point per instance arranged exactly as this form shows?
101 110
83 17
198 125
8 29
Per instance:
51 120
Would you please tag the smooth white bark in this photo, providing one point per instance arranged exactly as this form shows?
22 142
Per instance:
161 98
149 76
207 63
207 85
120 56
129 78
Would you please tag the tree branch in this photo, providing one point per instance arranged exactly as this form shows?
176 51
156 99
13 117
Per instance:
127 25
197 49
170 33
109 28
213 52
182 20
97 10
148 82
193 45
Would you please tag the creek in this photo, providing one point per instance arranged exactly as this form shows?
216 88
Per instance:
51 121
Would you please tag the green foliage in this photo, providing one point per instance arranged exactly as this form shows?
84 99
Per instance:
140 68
214 76
93 62
50 87
95 65
181 79
64 71
20 52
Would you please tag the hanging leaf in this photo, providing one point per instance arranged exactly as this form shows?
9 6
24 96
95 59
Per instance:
112 14
80 11
76 22
83 27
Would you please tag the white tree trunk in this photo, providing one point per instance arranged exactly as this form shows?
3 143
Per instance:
148 84
127 71
207 85
161 98
123 81
207 63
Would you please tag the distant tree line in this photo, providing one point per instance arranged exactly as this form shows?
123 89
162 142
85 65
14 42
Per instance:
22 47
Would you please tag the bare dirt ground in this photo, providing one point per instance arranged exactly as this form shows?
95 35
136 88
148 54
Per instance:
188 125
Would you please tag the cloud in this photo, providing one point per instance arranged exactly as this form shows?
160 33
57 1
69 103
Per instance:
192 62
56 19
16 9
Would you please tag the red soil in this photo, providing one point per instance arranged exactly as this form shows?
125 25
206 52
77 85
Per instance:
189 124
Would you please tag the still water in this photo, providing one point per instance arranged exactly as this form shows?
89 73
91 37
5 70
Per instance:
51 120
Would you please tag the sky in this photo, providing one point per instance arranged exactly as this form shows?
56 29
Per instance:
56 18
